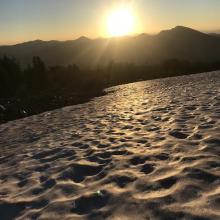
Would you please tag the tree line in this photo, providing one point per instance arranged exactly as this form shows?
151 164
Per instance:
38 88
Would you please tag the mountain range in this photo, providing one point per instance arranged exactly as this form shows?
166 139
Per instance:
178 43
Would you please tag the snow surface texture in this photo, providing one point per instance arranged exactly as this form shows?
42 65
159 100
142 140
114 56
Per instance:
147 150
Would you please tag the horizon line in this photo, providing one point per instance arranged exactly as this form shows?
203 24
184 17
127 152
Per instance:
113 37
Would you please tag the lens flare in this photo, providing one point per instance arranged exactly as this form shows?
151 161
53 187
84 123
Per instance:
120 22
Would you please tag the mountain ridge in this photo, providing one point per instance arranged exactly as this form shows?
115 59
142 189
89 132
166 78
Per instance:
177 43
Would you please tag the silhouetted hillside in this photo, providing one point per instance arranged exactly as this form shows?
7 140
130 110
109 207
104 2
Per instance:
186 43
178 43
38 88
215 35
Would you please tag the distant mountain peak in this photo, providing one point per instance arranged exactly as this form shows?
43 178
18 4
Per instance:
143 35
179 27
83 39
186 29
181 30
34 41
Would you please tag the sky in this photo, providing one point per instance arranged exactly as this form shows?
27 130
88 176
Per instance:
25 20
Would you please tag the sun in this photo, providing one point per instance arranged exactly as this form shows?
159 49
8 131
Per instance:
120 22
